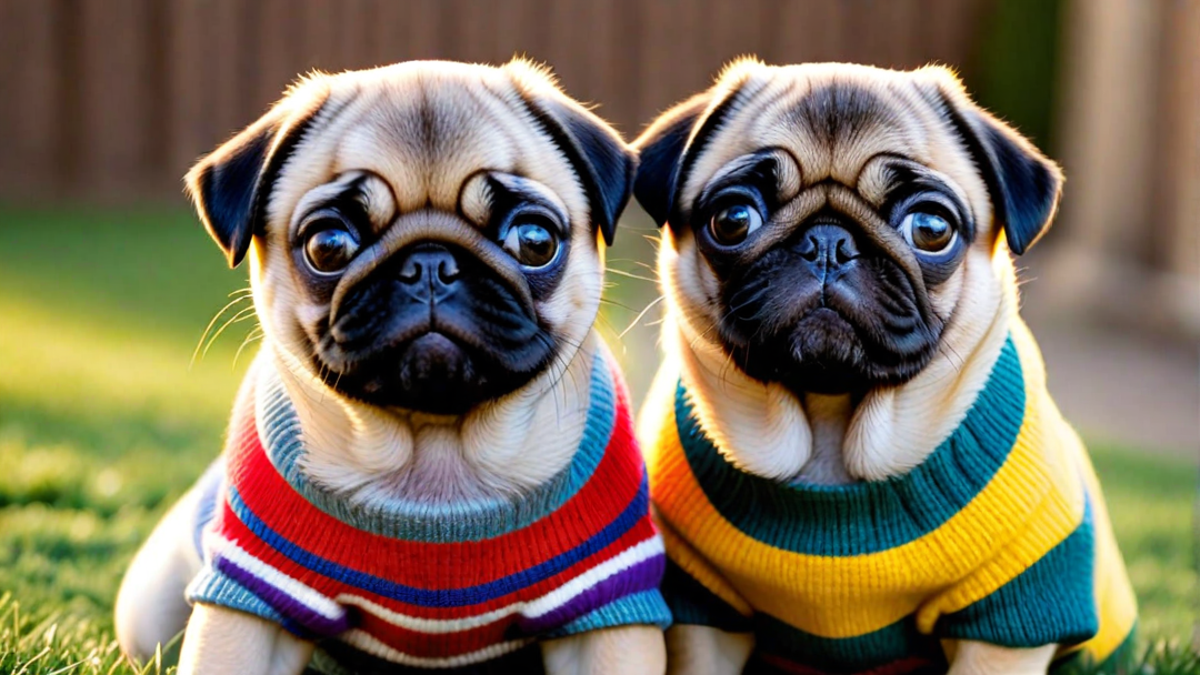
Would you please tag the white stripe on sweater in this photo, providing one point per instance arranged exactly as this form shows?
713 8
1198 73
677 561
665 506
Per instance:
369 644
560 596
297 590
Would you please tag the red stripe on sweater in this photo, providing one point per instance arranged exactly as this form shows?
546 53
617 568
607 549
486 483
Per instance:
234 530
598 502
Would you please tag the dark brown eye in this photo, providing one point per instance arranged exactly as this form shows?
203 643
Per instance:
731 225
928 232
531 243
331 250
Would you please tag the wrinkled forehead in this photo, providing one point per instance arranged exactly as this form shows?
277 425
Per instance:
834 121
426 129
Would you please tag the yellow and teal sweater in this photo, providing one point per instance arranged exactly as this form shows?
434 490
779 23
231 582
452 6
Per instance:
1000 536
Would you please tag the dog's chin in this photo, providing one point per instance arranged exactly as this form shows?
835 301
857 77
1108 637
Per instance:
431 373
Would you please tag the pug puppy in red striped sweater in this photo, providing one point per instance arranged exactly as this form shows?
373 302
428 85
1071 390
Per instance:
430 463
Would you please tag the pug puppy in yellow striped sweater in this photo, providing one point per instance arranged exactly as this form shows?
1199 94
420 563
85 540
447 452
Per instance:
853 454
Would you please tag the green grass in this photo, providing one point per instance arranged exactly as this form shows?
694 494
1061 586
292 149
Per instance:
103 424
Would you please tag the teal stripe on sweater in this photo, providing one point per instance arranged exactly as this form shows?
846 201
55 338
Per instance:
280 430
692 603
215 588
643 607
868 517
1052 601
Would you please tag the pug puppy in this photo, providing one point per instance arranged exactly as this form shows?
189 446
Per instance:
853 456
431 462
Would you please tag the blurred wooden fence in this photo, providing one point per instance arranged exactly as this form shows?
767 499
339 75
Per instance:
1129 128
115 98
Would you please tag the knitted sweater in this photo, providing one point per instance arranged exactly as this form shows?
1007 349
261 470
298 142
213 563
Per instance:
429 586
1001 535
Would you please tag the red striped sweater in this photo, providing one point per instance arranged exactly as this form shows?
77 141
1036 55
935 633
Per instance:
426 586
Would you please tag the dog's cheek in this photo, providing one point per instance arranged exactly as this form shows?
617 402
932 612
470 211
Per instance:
946 296
978 305
571 310
683 271
288 319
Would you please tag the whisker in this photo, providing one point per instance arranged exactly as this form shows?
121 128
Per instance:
717 324
640 315
614 303
253 336
243 294
242 315
631 275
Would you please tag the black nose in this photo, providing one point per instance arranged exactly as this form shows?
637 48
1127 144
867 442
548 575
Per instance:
429 269
827 247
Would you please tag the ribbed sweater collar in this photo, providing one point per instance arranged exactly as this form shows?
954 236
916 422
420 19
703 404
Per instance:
278 429
865 517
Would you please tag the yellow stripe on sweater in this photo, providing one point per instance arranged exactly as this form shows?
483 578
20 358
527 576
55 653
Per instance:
1034 501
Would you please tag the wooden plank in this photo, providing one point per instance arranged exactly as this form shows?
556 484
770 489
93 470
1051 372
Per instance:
962 44
810 30
412 29
114 95
390 29
279 54
355 35
156 74
317 41
227 45
470 34
31 116
572 41
12 51
622 97
736 29
521 29
1176 205
671 54
191 103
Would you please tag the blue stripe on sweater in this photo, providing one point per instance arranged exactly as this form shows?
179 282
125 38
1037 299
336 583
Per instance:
452 597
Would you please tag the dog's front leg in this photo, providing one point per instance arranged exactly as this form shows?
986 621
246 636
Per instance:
704 650
636 650
981 658
220 641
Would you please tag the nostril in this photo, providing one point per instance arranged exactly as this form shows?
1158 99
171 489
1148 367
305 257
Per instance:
841 252
447 269
412 270
810 250
423 267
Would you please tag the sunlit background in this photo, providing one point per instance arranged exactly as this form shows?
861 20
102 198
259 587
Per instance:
112 399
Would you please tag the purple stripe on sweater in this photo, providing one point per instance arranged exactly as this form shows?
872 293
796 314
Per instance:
642 576
289 607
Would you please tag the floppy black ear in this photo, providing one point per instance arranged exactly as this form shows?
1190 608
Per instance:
604 162
1024 184
660 155
229 187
